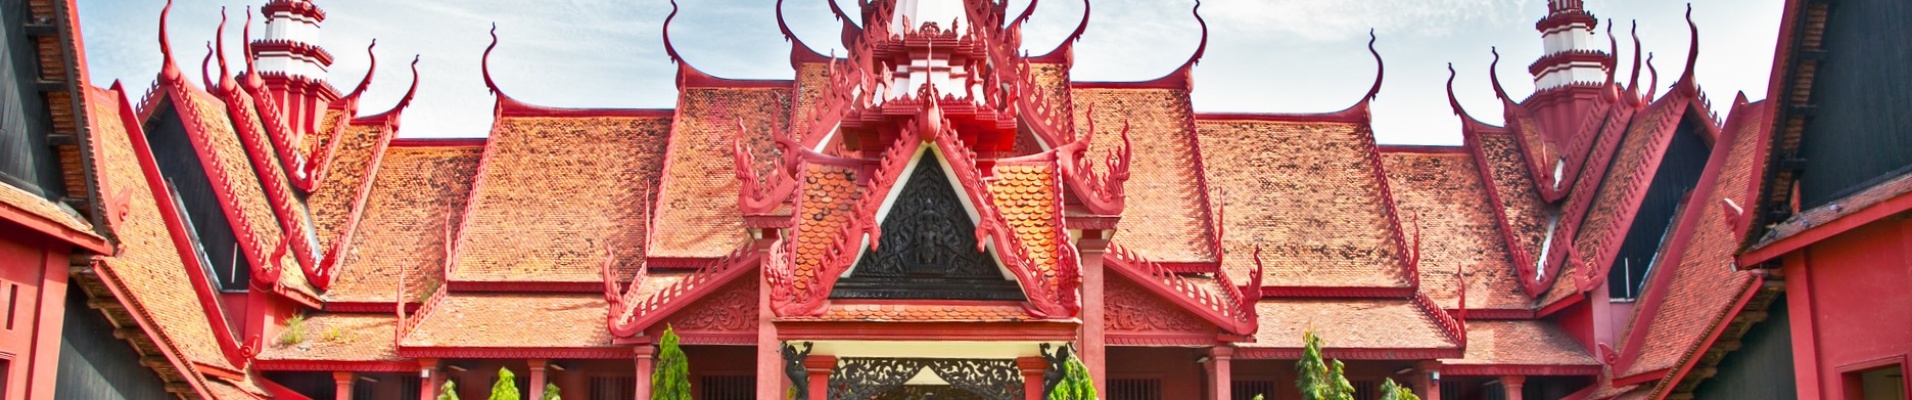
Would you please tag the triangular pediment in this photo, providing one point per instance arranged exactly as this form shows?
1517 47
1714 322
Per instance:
928 247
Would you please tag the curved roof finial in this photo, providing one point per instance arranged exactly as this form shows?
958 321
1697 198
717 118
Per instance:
406 100
1653 88
834 9
1453 101
205 77
1633 83
1613 53
252 73
1083 26
168 71
219 40
1380 68
485 64
1493 73
781 26
367 80
1199 49
668 49
1693 51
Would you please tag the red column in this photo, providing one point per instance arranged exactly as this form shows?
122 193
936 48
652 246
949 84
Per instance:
342 385
47 324
1032 368
644 364
1805 339
1512 385
1427 380
820 368
536 367
771 380
1220 377
1089 346
431 377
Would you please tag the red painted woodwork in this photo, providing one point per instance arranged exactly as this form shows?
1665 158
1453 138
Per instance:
645 364
1852 307
342 385
1220 376
33 292
819 368
1032 368
1510 386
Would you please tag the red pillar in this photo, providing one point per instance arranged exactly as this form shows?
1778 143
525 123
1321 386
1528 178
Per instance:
1427 380
536 367
820 368
1805 339
1032 368
644 364
771 381
1220 377
47 325
429 375
342 385
1512 384
1089 345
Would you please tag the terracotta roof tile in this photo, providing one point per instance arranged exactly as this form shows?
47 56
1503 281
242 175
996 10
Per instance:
13 197
332 200
1442 194
1052 84
502 320
1630 172
1307 193
1527 342
553 193
699 198
1527 215
1348 323
1026 196
830 195
148 268
895 312
221 390
1890 188
417 191
242 184
1166 216
812 81
340 337
1705 285
312 142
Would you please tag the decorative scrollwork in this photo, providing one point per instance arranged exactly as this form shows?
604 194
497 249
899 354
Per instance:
865 378
1058 364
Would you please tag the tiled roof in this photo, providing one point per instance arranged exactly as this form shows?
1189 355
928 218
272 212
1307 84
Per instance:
1026 197
339 337
1525 342
13 197
1165 216
1705 285
1526 213
222 390
830 195
1630 173
319 138
1349 323
1307 193
904 312
699 198
813 80
241 184
553 193
332 200
1806 219
148 268
508 319
417 191
1442 194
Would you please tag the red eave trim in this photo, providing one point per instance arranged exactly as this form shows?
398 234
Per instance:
1351 292
1422 149
457 285
515 352
1640 378
1549 309
56 230
1048 330
1290 353
439 142
333 365
1343 116
368 307
1164 339
1478 314
1823 231
1520 369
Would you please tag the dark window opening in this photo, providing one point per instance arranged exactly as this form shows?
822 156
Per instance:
1883 383
1673 182
727 387
1247 390
1135 389
613 387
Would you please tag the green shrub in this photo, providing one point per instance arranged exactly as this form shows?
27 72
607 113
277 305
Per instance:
670 380
1076 383
507 386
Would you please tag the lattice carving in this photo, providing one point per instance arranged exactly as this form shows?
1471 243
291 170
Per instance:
1132 309
793 368
865 378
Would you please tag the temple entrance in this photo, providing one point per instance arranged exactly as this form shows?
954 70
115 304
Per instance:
925 378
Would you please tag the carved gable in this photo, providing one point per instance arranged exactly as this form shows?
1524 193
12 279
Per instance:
927 249
1134 311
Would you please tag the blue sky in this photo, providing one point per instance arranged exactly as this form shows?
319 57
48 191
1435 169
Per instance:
1283 56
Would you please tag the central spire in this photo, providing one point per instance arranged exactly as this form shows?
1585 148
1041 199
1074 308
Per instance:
913 14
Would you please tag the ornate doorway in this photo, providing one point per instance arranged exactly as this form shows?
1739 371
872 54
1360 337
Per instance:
888 378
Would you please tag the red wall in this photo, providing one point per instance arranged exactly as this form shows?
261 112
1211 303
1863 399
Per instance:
32 303
1858 295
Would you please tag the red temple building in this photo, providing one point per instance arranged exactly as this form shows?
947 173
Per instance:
941 214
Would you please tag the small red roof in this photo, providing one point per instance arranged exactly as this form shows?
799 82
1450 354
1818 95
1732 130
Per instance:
1441 195
1521 343
507 320
338 337
1349 324
417 192
699 195
1166 216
